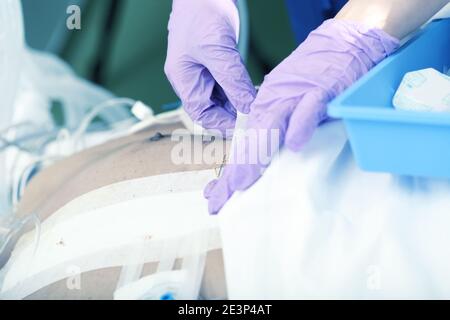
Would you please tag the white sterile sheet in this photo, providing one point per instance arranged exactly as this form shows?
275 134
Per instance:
316 226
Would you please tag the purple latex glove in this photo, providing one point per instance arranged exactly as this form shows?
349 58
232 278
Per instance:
293 98
203 64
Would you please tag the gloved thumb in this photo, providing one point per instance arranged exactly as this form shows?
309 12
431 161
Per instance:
306 117
227 68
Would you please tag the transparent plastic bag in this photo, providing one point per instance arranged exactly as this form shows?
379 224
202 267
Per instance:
11 50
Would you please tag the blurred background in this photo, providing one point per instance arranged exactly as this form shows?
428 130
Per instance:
122 43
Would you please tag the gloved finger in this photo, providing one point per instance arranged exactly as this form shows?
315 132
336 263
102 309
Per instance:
246 166
200 103
226 66
217 118
217 193
209 188
235 178
221 116
307 115
196 88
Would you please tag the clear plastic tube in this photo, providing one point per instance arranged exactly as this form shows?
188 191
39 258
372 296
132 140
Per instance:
78 135
13 228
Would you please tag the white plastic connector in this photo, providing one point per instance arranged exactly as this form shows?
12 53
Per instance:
141 111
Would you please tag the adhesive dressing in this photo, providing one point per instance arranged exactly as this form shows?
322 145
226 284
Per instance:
125 224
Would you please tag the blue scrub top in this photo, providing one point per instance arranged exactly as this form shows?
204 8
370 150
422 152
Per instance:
307 15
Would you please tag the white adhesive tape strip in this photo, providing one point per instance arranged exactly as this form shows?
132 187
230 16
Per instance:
104 236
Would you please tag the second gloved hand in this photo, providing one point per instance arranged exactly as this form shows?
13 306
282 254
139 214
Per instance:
203 64
293 98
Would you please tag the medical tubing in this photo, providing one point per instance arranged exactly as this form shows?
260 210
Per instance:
79 133
17 227
6 130
6 143
18 143
16 196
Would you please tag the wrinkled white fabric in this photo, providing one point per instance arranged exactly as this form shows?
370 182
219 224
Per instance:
444 13
316 226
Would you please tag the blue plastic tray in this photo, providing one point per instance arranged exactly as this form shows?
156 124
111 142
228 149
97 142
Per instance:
401 142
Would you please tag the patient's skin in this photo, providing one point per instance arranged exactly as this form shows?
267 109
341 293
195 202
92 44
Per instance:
116 161
124 159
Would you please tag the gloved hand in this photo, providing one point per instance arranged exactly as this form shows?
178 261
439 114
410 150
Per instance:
203 64
293 98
